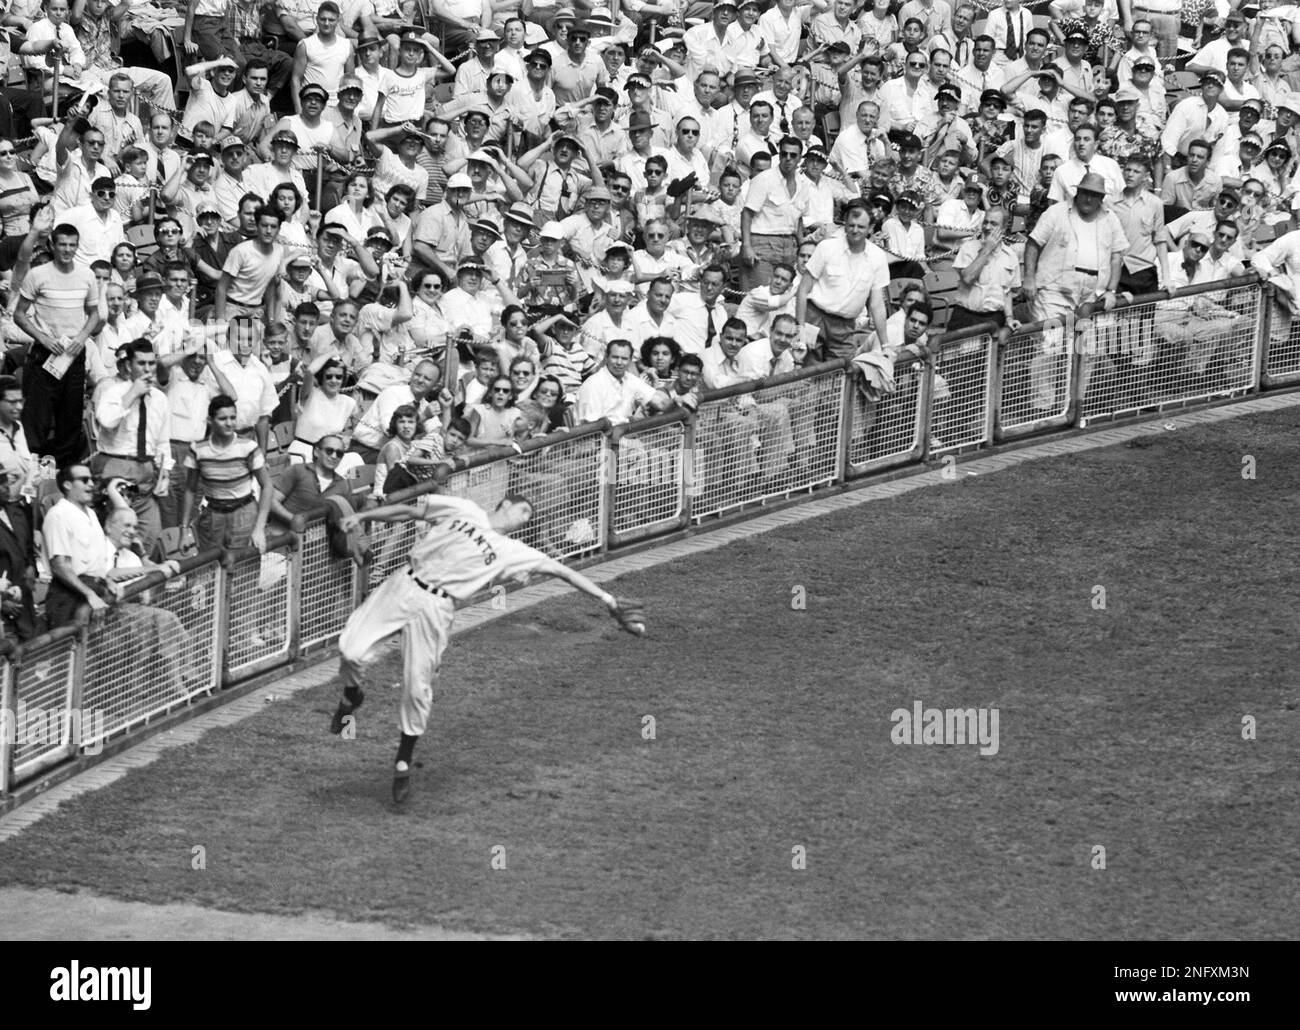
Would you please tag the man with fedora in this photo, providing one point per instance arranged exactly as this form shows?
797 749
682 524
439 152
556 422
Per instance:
1074 255
508 255
640 134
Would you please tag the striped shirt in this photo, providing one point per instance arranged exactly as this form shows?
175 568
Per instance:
59 299
568 366
225 473
432 163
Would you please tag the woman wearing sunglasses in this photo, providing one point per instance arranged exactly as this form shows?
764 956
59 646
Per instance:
17 195
428 326
515 341
324 409
548 395
495 420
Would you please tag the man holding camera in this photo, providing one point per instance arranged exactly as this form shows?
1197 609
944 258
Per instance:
132 443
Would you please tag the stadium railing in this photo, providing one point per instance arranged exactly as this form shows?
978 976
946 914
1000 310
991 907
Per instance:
228 618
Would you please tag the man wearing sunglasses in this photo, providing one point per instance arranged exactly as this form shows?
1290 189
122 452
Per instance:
76 547
98 223
79 166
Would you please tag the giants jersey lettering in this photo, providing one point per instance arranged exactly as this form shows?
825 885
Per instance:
463 554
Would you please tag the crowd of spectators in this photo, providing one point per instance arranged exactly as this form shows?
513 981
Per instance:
387 236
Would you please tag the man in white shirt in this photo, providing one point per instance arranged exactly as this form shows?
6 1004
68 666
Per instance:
770 223
845 274
132 442
907 99
612 393
699 315
860 145
761 305
1083 160
1195 118
98 223
76 548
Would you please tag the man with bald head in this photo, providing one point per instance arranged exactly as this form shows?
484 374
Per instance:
371 433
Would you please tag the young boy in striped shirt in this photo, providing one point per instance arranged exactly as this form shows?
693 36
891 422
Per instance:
224 466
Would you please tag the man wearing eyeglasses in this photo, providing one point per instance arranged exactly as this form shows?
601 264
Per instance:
906 100
98 223
78 167
76 547
1226 206
1197 325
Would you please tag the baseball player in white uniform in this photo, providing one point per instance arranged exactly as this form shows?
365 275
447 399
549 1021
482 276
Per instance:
464 551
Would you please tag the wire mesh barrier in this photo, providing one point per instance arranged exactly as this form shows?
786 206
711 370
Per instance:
648 478
259 633
754 443
888 429
961 399
563 475
1282 342
221 623
1035 379
326 592
390 543
46 689
1158 353
142 659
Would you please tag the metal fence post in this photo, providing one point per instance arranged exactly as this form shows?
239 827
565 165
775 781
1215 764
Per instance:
1268 293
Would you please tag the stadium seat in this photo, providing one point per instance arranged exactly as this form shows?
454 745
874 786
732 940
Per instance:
170 539
830 127
281 436
362 478
140 236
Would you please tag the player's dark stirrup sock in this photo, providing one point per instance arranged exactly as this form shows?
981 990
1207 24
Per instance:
406 748
352 695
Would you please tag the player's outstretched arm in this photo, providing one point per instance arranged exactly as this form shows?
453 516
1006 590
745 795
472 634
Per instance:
576 579
630 615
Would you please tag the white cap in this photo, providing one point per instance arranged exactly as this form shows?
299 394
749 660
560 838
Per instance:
551 231
460 181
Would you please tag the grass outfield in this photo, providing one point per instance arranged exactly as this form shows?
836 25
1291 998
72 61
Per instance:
1120 728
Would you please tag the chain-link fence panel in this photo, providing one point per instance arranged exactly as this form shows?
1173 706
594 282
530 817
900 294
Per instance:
649 479
390 543
259 629
1035 380
961 401
888 429
142 659
565 480
755 444
45 697
327 589
1281 341
1167 353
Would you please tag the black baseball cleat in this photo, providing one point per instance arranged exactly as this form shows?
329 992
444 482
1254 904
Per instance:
401 785
343 711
